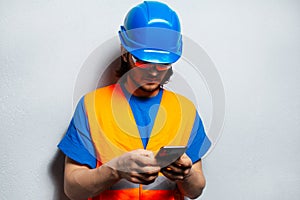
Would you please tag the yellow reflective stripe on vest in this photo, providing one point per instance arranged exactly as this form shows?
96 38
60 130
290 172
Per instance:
160 183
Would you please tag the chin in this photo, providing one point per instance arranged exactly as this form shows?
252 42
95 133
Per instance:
150 87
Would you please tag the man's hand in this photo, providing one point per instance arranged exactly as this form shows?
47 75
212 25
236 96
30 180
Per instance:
178 170
138 166
188 176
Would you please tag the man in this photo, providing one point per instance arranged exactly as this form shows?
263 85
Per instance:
116 131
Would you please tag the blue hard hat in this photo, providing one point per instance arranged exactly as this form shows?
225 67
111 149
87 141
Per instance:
151 33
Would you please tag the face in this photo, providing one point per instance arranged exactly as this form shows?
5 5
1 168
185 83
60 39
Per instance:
145 78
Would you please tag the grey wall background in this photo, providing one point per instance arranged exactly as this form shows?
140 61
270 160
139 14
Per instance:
254 45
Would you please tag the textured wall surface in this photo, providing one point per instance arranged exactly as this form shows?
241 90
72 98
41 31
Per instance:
255 46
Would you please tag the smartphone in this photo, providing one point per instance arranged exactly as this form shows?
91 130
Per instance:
169 154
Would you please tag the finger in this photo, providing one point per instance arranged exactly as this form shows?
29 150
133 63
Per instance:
146 161
186 171
177 168
148 179
171 175
184 161
144 178
137 168
134 180
176 172
148 170
174 168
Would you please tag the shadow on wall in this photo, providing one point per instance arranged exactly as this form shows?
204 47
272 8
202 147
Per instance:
109 75
56 169
57 174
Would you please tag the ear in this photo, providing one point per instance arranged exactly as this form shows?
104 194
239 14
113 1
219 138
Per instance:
124 54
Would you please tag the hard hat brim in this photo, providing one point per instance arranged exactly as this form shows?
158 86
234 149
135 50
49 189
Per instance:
155 56
151 44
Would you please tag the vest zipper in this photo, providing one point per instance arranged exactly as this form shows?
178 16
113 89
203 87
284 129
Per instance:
140 191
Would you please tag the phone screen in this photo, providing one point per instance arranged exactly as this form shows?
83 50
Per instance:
169 154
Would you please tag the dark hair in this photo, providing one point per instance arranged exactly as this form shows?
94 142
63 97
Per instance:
124 68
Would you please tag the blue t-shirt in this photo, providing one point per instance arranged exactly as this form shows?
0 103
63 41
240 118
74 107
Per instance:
78 145
144 110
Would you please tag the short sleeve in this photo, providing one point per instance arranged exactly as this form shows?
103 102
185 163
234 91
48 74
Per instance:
198 143
77 143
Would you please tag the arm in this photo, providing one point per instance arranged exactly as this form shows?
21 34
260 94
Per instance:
193 184
81 182
189 177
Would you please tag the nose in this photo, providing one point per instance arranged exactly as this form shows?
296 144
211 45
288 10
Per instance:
153 70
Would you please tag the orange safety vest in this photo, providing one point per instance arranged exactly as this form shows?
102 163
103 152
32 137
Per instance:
114 132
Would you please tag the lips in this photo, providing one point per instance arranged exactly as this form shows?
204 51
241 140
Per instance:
152 80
